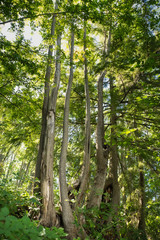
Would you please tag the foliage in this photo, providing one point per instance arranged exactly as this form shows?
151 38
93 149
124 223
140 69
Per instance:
133 63
153 219
13 228
17 210
17 201
96 222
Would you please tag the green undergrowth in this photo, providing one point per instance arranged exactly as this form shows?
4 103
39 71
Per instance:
17 212
12 228
17 200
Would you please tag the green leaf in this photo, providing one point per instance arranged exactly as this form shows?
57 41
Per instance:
4 212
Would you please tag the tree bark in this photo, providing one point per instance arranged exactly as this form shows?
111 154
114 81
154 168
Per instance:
101 149
44 109
23 177
98 186
67 215
142 224
48 214
114 153
87 144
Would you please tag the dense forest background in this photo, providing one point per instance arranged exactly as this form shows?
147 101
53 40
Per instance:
80 120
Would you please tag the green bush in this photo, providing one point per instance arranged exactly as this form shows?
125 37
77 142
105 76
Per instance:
15 223
16 200
96 222
12 228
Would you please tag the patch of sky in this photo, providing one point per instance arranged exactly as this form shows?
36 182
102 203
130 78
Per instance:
34 37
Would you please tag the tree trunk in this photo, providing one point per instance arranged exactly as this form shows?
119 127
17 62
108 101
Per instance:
114 153
67 215
13 156
142 224
44 110
87 144
48 215
23 177
102 149
98 186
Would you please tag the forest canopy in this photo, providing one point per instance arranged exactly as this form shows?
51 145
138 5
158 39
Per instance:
80 119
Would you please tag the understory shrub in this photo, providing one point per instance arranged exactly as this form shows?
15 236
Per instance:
12 228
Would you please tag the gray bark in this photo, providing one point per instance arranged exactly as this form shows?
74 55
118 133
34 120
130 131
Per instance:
48 215
102 150
87 144
44 109
25 170
12 156
98 186
67 215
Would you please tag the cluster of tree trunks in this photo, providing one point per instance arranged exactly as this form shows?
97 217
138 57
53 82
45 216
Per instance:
105 181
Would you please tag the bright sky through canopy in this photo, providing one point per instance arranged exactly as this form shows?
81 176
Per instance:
35 37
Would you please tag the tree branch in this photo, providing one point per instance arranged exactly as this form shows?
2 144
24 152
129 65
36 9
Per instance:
38 15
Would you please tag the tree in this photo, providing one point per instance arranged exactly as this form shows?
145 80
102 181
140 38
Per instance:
106 164
45 107
67 214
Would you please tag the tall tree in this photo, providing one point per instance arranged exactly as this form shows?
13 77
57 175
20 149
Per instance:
114 166
67 213
101 148
45 107
48 214
48 217
114 161
87 144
